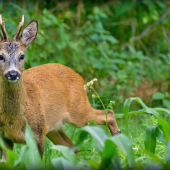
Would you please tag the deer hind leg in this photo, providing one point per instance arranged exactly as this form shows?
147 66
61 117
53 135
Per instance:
60 138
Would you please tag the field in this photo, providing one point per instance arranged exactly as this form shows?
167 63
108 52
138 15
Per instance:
125 45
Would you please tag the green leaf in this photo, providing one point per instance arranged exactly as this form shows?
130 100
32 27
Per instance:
99 136
94 164
124 7
150 139
22 157
158 96
153 156
162 110
126 107
159 135
30 152
62 164
109 158
166 103
125 146
67 153
165 127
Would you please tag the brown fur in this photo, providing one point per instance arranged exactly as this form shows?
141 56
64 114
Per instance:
45 96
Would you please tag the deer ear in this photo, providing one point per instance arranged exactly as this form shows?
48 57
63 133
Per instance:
29 33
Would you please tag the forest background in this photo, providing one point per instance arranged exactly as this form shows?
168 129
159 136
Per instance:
122 43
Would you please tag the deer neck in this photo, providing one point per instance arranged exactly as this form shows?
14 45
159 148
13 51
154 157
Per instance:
12 97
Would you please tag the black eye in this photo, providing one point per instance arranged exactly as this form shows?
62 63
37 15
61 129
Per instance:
21 57
1 57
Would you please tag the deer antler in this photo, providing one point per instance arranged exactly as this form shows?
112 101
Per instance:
3 28
19 28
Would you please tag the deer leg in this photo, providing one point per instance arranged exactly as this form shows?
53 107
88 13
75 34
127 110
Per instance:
99 116
8 144
40 144
60 138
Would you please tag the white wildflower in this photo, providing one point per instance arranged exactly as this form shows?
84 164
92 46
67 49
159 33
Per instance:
135 148
88 84
85 87
93 95
91 82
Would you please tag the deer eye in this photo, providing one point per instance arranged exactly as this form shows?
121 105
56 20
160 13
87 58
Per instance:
21 57
2 58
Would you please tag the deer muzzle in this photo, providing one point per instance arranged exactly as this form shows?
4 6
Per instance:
12 76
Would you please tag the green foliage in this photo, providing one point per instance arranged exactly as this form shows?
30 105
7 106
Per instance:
98 41
150 139
164 98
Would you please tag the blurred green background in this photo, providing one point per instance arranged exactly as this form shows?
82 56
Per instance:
122 43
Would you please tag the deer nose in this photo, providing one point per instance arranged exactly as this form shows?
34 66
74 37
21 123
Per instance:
12 75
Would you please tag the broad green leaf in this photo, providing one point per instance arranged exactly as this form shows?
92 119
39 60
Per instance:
162 110
165 128
6 165
121 115
109 157
22 157
62 164
159 135
30 152
157 109
11 156
81 138
33 155
67 153
94 164
99 136
125 146
126 108
150 139
153 156
158 96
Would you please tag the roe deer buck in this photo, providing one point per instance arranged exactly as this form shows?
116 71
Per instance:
45 96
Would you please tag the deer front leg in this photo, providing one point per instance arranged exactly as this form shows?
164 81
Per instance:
8 144
40 145
39 136
99 116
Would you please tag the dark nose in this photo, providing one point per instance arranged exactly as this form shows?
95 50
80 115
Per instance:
12 75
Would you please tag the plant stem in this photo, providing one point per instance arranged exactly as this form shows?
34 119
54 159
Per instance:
102 105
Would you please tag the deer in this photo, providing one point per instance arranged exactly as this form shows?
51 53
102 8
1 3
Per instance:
45 96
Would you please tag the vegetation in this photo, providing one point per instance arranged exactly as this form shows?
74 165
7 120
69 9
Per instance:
125 45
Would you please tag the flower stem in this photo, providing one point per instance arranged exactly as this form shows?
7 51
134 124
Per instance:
106 111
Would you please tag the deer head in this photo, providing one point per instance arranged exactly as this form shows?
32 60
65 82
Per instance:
12 51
